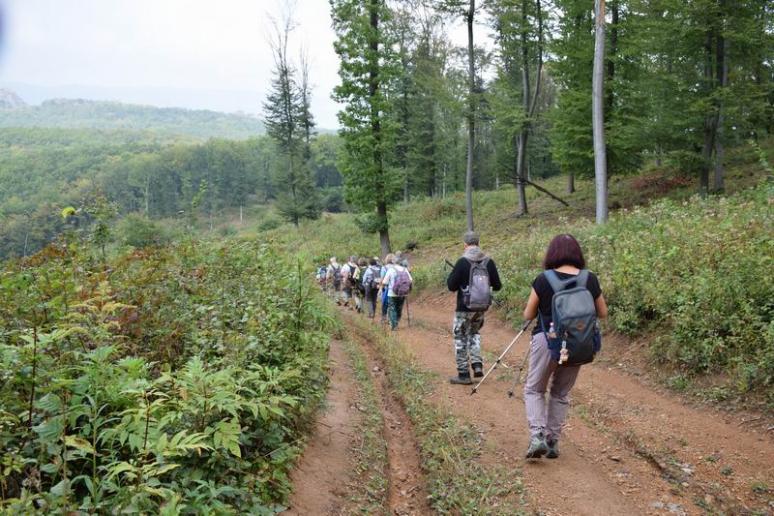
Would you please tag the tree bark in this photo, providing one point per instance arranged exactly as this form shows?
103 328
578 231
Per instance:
524 133
722 78
471 118
376 131
710 119
598 112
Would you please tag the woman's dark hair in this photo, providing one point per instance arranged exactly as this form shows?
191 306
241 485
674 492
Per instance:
564 250
372 261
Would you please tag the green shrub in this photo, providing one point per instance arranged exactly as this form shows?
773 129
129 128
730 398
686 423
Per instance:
178 383
139 231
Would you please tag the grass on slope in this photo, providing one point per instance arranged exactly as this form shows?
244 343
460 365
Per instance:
692 270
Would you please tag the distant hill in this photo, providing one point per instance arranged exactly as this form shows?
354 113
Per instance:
104 115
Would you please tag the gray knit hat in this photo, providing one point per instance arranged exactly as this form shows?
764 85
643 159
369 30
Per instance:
470 238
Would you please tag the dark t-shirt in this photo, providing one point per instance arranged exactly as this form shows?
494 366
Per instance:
545 293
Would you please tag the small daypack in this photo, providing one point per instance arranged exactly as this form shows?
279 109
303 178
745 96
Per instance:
336 276
373 280
357 276
477 297
574 318
402 285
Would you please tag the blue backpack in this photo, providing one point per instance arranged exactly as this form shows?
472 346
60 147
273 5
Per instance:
575 337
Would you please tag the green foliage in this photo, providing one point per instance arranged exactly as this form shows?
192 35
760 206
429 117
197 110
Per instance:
177 381
138 231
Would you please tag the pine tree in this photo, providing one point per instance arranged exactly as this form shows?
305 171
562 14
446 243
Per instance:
368 69
288 122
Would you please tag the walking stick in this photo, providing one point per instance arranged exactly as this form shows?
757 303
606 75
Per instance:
518 375
500 358
408 312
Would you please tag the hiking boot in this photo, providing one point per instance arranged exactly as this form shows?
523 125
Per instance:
553 448
478 370
537 446
461 379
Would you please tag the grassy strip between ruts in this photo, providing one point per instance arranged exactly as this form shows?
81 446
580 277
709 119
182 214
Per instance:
369 488
457 482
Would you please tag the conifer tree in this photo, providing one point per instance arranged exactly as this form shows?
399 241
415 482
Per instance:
368 69
288 122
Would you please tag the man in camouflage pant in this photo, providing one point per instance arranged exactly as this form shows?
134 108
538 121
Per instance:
467 323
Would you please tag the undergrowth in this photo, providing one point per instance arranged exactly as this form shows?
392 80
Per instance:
168 381
449 448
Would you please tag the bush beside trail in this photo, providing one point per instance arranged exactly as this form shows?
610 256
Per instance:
173 380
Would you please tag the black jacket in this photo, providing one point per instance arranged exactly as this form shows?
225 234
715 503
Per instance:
460 277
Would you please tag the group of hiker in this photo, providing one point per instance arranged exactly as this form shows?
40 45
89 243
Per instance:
565 303
361 283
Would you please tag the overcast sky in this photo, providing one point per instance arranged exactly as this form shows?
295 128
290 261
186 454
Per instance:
190 53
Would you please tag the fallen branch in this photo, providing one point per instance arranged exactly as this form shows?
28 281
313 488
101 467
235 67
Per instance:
541 189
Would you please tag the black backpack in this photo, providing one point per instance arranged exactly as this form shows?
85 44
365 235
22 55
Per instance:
574 319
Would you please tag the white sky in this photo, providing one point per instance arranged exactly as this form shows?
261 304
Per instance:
208 54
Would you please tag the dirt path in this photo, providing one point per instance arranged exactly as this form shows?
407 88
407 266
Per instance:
408 493
321 476
626 448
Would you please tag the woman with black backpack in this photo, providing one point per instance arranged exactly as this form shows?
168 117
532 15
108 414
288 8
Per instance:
564 271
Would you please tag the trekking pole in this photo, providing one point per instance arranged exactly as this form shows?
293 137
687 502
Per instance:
518 374
500 358
408 312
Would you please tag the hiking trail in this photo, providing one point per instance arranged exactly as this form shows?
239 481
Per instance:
627 448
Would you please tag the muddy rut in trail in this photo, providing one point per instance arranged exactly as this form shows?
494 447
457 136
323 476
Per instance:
320 477
408 488
323 478
627 449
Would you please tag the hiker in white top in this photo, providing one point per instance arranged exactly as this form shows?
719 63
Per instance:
348 282
333 279
398 282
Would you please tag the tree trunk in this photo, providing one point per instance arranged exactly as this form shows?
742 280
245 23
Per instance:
598 112
376 132
521 146
722 78
571 182
384 231
710 119
147 195
471 118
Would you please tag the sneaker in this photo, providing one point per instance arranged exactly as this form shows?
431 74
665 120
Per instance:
478 370
461 379
537 446
553 448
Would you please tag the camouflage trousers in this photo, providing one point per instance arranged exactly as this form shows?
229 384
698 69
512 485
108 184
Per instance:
467 340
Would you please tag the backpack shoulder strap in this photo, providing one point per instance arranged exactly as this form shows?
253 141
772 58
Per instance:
558 284
582 278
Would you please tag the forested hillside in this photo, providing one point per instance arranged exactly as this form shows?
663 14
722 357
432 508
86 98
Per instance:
43 171
89 114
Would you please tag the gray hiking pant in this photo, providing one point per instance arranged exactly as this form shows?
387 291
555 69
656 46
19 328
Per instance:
467 339
548 420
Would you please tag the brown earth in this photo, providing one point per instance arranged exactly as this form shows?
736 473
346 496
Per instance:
321 476
628 448
323 479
